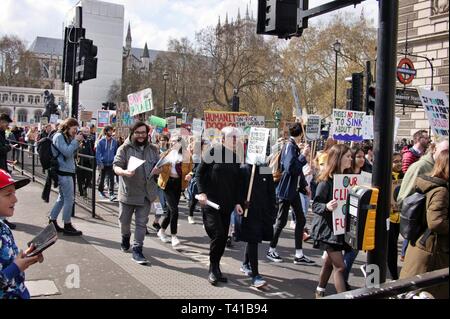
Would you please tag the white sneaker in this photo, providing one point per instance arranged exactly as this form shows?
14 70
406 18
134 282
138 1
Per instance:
175 241
191 220
164 238
292 225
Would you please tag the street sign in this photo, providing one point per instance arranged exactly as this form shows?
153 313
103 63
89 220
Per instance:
407 96
405 71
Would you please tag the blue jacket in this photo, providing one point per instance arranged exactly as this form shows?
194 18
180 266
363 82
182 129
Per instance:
12 280
291 165
106 151
66 159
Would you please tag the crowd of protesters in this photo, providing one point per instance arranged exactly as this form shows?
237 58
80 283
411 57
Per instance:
216 172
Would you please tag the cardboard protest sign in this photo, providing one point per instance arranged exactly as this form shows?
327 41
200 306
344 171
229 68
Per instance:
257 144
221 119
103 120
197 127
342 183
171 123
85 116
140 102
347 125
435 104
313 128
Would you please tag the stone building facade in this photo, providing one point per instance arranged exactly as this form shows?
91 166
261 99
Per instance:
425 26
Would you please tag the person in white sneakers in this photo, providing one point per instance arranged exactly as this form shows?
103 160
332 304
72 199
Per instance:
175 165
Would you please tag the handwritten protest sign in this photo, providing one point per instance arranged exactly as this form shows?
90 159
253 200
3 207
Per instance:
347 125
220 119
85 116
140 102
435 104
197 127
342 183
250 121
171 123
257 144
313 128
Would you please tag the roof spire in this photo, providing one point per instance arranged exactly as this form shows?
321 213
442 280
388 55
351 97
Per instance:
145 54
128 39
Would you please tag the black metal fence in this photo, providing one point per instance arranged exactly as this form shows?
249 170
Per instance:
25 159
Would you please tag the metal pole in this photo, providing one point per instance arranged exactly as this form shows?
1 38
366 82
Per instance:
384 128
22 146
335 80
368 83
76 86
33 165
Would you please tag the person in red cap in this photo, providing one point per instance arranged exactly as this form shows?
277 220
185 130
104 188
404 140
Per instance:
13 262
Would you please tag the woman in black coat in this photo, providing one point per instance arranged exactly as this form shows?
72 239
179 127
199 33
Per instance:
258 225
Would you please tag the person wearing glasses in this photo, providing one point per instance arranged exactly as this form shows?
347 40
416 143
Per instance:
137 188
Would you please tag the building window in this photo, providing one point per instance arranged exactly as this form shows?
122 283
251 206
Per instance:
21 98
30 99
22 116
37 99
14 98
37 116
6 111
4 97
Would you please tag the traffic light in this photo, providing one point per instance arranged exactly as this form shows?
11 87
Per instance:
277 17
86 61
371 101
354 95
109 106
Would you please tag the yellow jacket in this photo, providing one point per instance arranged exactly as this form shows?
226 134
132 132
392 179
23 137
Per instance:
186 168
394 215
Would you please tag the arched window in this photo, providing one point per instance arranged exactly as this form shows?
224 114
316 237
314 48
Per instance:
21 98
4 97
37 116
22 116
14 97
6 111
30 99
37 99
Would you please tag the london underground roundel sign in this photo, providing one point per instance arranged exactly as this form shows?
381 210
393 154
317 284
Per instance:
405 71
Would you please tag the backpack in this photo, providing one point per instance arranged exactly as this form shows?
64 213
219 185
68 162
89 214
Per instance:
275 165
412 217
46 157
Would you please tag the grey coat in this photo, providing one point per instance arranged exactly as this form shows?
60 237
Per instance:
134 190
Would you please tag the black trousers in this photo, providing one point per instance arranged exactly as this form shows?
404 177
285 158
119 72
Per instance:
108 172
251 257
172 193
216 224
283 211
392 253
192 203
84 180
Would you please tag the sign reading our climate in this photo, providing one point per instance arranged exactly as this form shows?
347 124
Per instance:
347 125
140 102
342 183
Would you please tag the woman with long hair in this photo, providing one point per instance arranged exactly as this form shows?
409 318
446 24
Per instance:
339 161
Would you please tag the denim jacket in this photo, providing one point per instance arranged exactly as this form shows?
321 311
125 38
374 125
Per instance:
12 280
66 159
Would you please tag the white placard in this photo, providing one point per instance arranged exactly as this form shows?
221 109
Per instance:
171 123
197 127
313 128
347 125
435 104
342 183
140 102
54 118
134 163
367 127
257 144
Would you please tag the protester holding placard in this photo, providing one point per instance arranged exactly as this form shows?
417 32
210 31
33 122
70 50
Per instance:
292 181
219 180
163 143
105 152
339 161
172 180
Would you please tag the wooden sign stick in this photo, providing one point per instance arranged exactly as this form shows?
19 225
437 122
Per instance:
250 188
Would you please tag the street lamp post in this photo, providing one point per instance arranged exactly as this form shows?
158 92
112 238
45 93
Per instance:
165 77
337 49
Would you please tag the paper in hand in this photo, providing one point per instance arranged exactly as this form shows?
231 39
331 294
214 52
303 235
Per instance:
134 163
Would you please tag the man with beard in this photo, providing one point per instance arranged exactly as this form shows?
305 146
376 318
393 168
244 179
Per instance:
137 188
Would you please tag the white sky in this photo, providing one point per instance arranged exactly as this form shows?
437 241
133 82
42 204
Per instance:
162 19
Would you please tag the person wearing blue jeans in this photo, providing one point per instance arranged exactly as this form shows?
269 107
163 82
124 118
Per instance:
65 144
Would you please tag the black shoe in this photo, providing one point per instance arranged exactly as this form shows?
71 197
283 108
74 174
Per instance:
229 243
9 224
222 278
156 226
348 287
69 230
218 273
212 279
55 223
125 245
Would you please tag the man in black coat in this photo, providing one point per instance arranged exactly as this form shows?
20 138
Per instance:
4 149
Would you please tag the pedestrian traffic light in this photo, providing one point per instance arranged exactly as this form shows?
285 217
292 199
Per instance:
354 95
277 17
109 106
86 60
371 101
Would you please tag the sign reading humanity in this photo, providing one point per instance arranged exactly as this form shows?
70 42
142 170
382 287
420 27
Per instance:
140 102
435 104
347 125
257 144
220 119
313 128
341 186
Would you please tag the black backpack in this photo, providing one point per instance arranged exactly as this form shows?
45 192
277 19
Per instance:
412 217
46 157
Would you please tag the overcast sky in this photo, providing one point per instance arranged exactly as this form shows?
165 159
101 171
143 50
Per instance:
152 21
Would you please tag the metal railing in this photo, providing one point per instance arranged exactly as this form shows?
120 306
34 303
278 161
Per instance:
30 165
397 289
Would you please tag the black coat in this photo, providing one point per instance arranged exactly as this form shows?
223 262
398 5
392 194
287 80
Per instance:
262 212
322 224
4 149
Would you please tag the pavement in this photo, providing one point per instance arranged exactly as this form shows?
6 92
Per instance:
93 266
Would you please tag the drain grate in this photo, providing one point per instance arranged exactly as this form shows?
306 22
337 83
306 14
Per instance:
41 288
